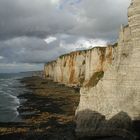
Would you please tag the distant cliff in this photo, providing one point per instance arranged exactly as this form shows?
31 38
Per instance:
110 82
77 68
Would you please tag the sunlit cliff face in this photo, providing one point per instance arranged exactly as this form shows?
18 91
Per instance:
76 68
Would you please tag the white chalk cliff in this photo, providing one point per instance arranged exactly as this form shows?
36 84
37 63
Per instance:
109 78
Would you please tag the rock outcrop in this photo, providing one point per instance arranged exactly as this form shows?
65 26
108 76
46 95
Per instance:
110 82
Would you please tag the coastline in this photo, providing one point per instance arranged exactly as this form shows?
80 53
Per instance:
10 88
48 112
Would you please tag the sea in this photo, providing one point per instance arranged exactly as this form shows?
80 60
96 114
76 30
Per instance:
10 89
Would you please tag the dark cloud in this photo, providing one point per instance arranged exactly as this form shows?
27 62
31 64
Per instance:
31 50
94 18
32 18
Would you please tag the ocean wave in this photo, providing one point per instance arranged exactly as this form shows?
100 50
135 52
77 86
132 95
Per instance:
9 102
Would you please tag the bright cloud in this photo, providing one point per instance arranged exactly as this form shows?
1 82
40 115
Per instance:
50 39
55 1
1 57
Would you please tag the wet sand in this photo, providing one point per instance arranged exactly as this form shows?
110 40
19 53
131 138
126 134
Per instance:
47 114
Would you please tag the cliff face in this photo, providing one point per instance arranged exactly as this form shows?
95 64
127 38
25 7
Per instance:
117 94
110 82
77 68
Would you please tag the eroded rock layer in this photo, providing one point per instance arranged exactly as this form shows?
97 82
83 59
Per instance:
110 82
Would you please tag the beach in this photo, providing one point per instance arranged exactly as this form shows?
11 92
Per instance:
48 112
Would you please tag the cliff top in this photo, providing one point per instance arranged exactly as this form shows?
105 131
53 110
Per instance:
86 50
82 51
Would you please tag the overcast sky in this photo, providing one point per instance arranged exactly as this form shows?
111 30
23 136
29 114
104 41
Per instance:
33 32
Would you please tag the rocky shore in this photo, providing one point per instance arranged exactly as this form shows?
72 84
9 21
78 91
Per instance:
48 112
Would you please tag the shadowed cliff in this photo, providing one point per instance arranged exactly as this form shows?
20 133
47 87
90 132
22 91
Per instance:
93 125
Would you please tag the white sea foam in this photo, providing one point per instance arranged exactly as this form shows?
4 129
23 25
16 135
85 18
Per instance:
9 102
